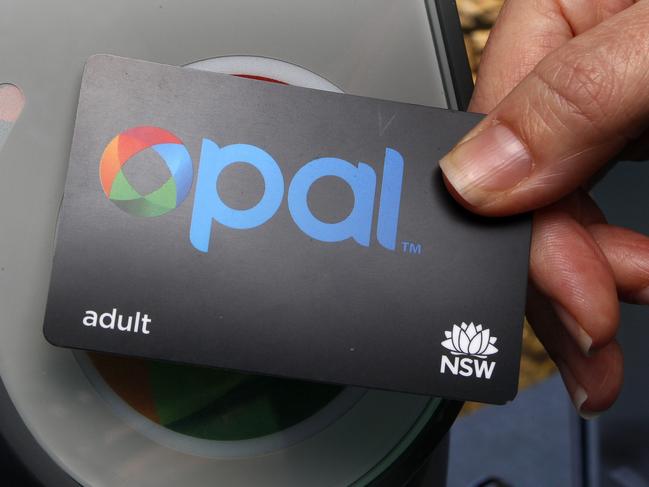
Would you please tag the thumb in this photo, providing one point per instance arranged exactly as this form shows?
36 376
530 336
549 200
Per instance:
574 111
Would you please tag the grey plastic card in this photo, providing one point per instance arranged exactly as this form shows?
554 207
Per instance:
242 224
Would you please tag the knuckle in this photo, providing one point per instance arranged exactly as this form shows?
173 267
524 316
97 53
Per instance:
578 83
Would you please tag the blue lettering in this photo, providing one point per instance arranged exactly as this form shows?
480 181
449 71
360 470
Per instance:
386 228
208 205
361 178
358 224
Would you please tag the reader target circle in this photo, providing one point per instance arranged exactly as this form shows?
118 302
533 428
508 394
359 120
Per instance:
185 418
343 413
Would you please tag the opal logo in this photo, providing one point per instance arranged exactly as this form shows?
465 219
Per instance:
469 345
120 191
209 209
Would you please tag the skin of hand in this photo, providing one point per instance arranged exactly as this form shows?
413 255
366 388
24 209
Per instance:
565 85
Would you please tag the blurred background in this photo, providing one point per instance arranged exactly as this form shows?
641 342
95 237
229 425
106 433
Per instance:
477 17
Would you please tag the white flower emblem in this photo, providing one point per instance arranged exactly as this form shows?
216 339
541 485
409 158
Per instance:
470 340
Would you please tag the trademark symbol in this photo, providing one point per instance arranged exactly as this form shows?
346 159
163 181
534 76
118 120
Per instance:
410 247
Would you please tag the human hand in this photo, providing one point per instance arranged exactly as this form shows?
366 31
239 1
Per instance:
565 84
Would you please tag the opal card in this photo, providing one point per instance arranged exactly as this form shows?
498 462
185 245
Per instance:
271 229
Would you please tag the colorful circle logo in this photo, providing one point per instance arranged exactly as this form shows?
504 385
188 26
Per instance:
131 142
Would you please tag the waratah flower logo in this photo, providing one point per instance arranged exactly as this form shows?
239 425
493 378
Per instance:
470 340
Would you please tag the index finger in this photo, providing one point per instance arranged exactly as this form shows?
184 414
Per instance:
577 108
526 31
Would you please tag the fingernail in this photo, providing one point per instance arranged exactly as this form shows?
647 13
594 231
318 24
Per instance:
583 339
492 161
578 396
11 102
588 415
